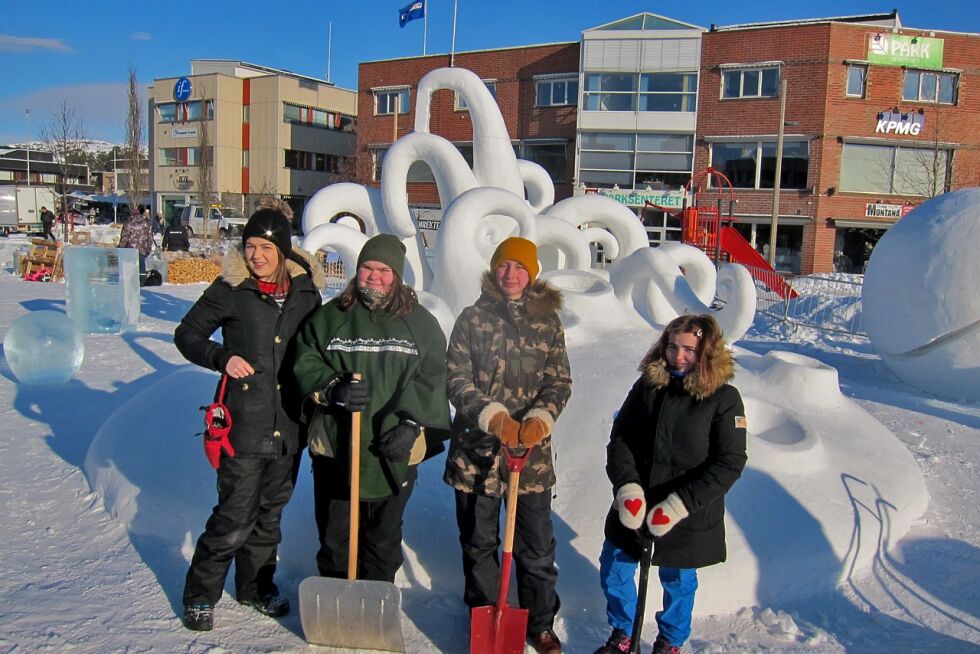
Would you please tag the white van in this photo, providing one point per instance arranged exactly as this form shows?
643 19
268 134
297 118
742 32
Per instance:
225 222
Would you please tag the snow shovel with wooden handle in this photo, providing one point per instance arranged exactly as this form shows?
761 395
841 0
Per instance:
502 629
349 613
646 555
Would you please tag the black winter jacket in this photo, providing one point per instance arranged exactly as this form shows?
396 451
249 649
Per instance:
685 437
265 407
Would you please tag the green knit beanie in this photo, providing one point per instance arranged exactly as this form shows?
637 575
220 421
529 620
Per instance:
386 249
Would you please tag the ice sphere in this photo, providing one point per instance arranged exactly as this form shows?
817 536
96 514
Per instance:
103 289
43 347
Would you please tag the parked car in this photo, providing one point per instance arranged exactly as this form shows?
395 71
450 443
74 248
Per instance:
226 222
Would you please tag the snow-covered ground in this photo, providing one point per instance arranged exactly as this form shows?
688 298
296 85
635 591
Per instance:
75 576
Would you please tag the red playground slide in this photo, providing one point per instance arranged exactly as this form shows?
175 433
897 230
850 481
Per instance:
741 251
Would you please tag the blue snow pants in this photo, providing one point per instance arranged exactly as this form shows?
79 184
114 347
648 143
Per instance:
617 571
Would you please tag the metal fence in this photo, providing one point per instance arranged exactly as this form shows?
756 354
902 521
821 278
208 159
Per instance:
830 302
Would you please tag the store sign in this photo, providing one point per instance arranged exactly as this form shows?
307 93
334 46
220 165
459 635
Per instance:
183 133
888 49
183 182
880 210
429 224
631 198
891 122
182 89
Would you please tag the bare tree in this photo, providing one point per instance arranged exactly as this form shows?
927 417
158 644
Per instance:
205 164
135 124
63 136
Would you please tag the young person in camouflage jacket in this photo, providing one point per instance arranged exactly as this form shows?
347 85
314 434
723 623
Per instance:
508 378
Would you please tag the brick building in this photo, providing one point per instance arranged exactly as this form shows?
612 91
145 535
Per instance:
536 88
879 117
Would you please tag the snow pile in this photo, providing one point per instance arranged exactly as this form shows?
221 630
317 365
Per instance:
921 299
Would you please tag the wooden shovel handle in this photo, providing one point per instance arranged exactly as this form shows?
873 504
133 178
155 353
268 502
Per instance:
355 490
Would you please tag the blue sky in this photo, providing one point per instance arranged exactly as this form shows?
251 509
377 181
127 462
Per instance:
57 50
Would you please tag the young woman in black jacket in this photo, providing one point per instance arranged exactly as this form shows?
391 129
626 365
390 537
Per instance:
677 446
266 290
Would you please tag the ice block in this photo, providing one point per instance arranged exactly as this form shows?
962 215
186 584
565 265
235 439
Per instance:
103 289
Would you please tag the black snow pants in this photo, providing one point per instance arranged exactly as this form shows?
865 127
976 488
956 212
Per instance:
478 518
379 554
244 527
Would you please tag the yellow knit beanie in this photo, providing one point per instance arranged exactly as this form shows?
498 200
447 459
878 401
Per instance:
520 250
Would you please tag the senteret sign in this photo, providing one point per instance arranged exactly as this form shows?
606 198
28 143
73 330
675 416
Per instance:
900 50
631 198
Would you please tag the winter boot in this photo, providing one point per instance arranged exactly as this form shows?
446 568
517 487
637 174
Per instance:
199 617
272 604
545 642
618 643
661 646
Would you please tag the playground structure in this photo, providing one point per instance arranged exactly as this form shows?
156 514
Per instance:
702 227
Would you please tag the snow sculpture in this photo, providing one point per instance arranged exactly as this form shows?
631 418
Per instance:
920 301
43 347
486 204
102 289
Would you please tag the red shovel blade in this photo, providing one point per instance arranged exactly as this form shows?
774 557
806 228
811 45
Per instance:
493 633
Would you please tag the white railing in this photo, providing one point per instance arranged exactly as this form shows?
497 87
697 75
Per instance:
826 301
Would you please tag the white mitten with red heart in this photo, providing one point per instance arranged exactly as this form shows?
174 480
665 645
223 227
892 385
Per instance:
631 505
665 515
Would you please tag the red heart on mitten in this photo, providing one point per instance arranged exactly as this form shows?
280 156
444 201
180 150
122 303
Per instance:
633 506
660 518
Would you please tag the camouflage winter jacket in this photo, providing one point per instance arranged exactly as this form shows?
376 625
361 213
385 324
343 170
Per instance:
505 355
137 234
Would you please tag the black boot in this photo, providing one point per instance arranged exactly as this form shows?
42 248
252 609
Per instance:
272 604
618 643
199 617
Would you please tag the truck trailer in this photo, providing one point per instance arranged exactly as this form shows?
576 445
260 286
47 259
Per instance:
20 207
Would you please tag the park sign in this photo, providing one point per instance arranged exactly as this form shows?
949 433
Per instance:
633 198
900 50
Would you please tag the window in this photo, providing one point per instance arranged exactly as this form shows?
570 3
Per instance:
857 80
314 117
928 86
668 92
553 157
183 156
752 164
760 82
635 160
644 92
888 169
555 92
385 102
461 101
315 161
610 92
182 112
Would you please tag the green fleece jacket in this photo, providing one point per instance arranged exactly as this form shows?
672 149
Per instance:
404 360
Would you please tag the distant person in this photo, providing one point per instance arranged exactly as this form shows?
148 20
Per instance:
47 223
157 224
677 446
136 234
175 237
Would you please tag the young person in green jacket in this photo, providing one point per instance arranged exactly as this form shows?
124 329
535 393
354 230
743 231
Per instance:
377 328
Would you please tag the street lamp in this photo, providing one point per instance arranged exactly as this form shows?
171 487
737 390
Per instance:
27 114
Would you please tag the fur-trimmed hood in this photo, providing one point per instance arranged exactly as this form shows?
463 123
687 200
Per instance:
234 271
542 298
655 373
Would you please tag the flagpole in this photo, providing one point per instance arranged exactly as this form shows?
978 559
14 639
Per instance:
425 24
329 47
452 52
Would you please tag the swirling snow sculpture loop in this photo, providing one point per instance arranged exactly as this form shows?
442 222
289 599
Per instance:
486 204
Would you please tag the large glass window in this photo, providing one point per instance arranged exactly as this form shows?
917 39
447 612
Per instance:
752 164
461 101
894 170
174 112
315 161
662 160
181 156
312 116
385 101
750 82
929 86
554 92
857 78
610 92
553 157
668 92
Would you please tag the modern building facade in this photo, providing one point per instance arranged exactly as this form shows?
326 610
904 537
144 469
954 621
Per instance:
878 118
638 114
535 86
256 130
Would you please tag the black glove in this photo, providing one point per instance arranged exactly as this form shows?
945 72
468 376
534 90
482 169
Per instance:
352 394
396 443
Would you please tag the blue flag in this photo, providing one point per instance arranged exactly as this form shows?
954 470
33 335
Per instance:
411 11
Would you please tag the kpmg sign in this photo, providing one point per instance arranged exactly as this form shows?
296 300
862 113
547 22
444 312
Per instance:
888 49
631 198
893 122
